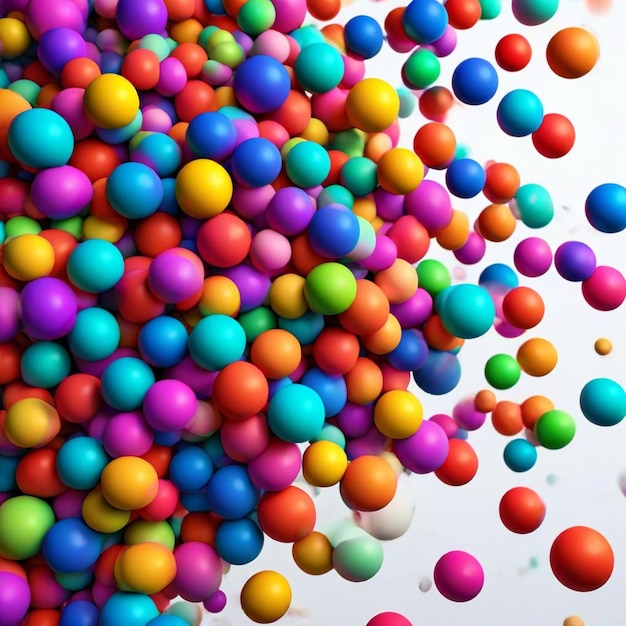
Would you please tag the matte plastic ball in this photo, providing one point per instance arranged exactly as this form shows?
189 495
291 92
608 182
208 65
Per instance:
334 231
358 559
134 190
307 164
203 188
520 455
231 494
80 462
125 383
363 36
313 554
162 341
575 261
319 67
239 541
603 346
255 162
373 104
502 371
465 178
95 265
467 311
15 597
582 559
605 208
425 21
133 609
534 205
424 451
603 402
265 597
572 52
45 364
58 301
111 101
311 413
24 522
40 138
169 405
522 510
605 289
95 335
261 84
534 12
458 576
31 422
474 81
61 192
532 257
520 113
555 429
129 483
211 135
215 341
136 18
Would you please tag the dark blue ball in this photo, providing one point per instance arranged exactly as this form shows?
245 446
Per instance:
231 494
80 613
330 388
411 353
70 546
239 541
474 81
163 341
425 21
190 469
256 162
334 231
440 373
261 84
211 135
364 36
465 178
605 208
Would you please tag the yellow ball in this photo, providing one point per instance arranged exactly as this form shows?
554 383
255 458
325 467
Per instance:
14 37
573 620
603 346
287 296
537 356
203 188
365 208
109 230
101 516
313 554
129 483
145 568
316 131
266 597
400 171
220 296
111 101
31 423
398 414
27 257
324 463
372 105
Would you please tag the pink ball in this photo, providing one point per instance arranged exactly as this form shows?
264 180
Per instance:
243 440
384 255
430 203
251 202
277 466
175 275
61 192
466 416
459 576
472 251
605 289
353 71
13 194
389 618
205 421
127 434
450 427
46 591
424 451
43 15
270 251
9 316
155 120
532 257
216 603
199 571
164 503
169 405
272 43
504 329
290 14
69 105
193 375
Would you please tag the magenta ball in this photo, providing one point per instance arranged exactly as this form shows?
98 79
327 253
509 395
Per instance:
532 257
127 434
198 571
355 420
69 105
466 416
459 576
372 443
504 329
450 427
43 15
193 375
605 289
424 451
169 405
243 440
446 44
216 603
290 210
9 313
389 206
61 192
277 466
430 203
136 18
48 307
389 618
414 312
59 45
472 251
68 504
175 275
384 255
172 77
14 598
289 15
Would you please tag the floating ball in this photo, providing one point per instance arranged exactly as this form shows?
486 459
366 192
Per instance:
605 289
603 346
572 52
265 597
605 208
467 311
368 484
313 554
363 36
424 21
521 509
555 429
555 137
474 81
603 402
319 67
239 541
458 576
389 618
520 455
513 52
502 371
520 113
465 178
575 261
532 257
358 559
534 12
534 205
537 356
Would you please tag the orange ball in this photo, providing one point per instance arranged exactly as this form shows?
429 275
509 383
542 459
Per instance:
435 144
398 282
42 617
79 72
485 401
572 52
537 357
11 105
506 418
533 408
496 222
368 484
287 515
438 337
385 339
523 307
456 233
522 510
323 10
313 554
368 311
276 352
460 465
502 181
240 390
200 526
364 382
336 351
435 103
157 233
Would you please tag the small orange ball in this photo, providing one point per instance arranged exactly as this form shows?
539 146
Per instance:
537 356
368 484
496 222
313 554
485 401
533 408
276 352
456 233
506 418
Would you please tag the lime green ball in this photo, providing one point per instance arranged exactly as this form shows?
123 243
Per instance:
433 276
555 429
71 225
22 225
358 559
142 531
24 522
502 371
256 16
330 288
217 38
421 69
257 321
490 9
205 36
229 53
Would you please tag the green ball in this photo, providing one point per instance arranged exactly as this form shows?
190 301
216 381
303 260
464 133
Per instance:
257 321
256 16
21 225
421 69
408 102
74 582
350 142
28 89
335 194
490 9
534 12
142 531
24 522
319 67
534 205
330 288
331 433
358 559
555 429
157 44
45 364
344 530
358 175
433 276
71 225
502 371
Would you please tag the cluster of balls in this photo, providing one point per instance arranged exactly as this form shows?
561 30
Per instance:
214 278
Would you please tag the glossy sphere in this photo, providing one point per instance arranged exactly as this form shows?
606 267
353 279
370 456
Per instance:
555 137
364 36
398 414
572 52
605 208
458 576
95 265
555 429
15 597
424 21
287 515
129 483
372 105
474 81
24 522
145 567
520 455
605 289
261 84
265 597
522 510
603 402
520 113
534 12
513 52
313 554
537 356
368 484
111 101
523 307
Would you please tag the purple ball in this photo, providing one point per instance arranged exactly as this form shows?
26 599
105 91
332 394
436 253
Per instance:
136 18
68 504
290 211
48 308
193 375
9 313
14 598
216 603
277 466
69 105
458 576
472 251
57 46
252 285
172 77
198 571
414 312
246 129
355 420
43 15
384 255
169 405
373 442
450 427
61 192
430 203
175 276
424 451
466 416
127 434
575 261
446 44
389 206
532 257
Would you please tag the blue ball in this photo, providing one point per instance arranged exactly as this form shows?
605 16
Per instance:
239 541
319 67
195 501
45 364
167 620
115 136
605 208
95 335
8 465
70 546
305 328
520 455
80 462
125 382
159 152
334 231
440 373
216 341
468 311
411 353
40 138
465 178
190 469
278 383
169 204
474 81
134 190
311 413
130 609
425 21
330 388
520 113
499 276
211 135
162 341
231 494
95 265
261 84
80 613
603 402
364 36
256 162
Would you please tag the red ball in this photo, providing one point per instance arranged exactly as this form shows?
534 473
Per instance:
78 398
157 233
523 307
141 67
513 52
240 390
410 237
336 351
581 558
522 510
605 289
460 465
224 240
36 474
287 515
194 98
463 14
389 618
555 137
435 103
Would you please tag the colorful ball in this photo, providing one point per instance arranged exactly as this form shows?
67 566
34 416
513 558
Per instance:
373 104
474 81
521 510
520 455
605 208
555 429
572 52
111 101
603 402
520 113
24 522
265 597
458 576
261 84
